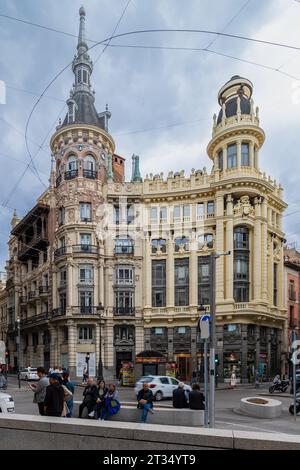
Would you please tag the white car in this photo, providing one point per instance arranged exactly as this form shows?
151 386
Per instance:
161 386
29 373
7 404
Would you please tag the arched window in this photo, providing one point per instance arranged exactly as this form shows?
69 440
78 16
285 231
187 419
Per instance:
205 239
89 167
158 243
245 154
72 169
181 241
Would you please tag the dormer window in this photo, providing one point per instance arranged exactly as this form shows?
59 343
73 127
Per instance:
85 76
72 170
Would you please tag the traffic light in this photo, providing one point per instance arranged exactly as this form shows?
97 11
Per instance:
217 360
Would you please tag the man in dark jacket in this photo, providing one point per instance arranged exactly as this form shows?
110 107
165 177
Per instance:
180 397
70 386
196 398
54 399
145 401
90 396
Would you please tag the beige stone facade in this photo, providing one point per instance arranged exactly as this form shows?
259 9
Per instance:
141 249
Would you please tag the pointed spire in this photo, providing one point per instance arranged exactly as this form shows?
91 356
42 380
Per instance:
136 175
14 219
82 46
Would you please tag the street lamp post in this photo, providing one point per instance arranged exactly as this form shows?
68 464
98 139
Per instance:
100 310
202 309
212 378
18 349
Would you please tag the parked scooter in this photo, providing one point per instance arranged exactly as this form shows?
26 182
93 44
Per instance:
291 408
281 386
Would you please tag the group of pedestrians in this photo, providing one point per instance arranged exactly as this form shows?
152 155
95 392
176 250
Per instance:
100 401
53 393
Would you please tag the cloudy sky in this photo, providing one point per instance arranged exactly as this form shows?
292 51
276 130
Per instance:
162 101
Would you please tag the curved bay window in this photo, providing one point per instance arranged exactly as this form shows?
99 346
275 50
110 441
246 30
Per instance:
158 244
232 156
245 154
241 264
220 160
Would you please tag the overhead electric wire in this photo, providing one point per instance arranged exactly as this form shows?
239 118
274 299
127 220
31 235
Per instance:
115 29
229 23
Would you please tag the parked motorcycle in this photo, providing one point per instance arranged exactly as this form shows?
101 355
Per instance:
279 386
291 408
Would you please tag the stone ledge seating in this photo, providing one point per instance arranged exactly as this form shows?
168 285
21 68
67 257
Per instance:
162 415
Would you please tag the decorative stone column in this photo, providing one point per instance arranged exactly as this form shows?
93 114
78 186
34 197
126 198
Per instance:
229 247
219 246
264 253
251 154
270 270
280 277
53 348
224 157
239 154
257 255
108 349
72 341
170 269
70 285
148 272
193 274
97 345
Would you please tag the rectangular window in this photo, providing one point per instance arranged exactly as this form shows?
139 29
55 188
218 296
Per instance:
210 208
275 284
86 273
63 302
124 275
85 212
245 155
85 302
85 333
220 160
61 216
159 283
292 293
181 330
186 211
130 214
182 282
158 331
176 212
116 215
85 240
292 322
124 302
153 215
203 280
200 210
163 214
84 76
231 156
63 276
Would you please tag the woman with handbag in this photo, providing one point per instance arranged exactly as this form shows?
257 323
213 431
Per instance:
102 391
111 403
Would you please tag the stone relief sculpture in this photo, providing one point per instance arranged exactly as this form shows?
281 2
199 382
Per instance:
243 207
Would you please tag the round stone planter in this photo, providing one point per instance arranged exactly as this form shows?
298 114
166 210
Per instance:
260 407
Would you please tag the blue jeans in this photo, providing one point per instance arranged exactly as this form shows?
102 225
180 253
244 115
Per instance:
145 410
70 405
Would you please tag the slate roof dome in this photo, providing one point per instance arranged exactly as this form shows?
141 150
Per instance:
236 87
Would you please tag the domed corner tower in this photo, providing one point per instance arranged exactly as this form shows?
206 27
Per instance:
236 136
82 146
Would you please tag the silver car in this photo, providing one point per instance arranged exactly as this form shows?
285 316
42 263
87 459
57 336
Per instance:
7 404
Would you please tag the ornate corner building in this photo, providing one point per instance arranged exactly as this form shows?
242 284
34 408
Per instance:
141 249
